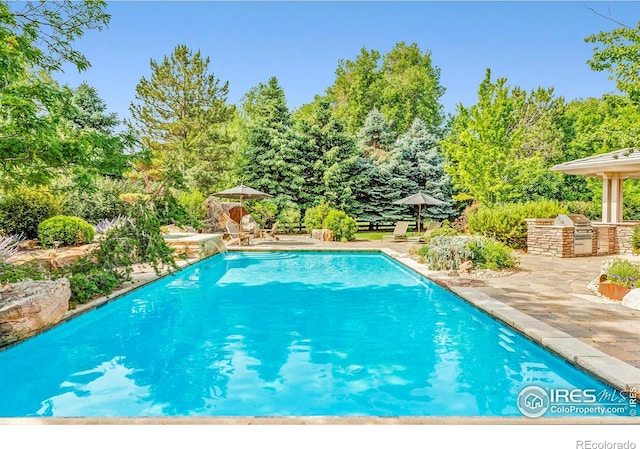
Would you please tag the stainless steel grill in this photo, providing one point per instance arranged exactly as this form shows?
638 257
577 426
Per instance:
582 231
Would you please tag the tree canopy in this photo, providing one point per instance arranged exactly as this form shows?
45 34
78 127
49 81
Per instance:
618 52
404 84
181 116
37 140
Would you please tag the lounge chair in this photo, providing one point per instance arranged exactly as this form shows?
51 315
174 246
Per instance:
236 236
399 233
422 238
270 233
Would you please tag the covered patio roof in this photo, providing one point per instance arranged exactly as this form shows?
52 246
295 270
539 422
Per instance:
613 168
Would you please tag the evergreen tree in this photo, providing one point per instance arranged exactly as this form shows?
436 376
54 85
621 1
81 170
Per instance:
181 116
97 128
374 185
376 137
271 154
328 154
416 160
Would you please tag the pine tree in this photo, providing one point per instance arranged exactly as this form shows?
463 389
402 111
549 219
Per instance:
376 136
97 129
328 154
271 153
181 115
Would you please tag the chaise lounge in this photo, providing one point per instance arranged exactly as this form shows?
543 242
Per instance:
399 233
423 238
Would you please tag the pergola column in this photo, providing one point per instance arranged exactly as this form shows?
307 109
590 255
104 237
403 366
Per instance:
606 198
616 198
612 197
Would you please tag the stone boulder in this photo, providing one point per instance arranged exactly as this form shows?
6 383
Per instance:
29 306
325 235
465 267
632 299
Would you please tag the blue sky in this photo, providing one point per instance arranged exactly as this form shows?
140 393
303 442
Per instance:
530 43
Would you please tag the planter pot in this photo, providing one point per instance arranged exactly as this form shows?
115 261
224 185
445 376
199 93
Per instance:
613 291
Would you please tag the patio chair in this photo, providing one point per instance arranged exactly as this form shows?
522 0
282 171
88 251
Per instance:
270 233
423 238
236 236
399 233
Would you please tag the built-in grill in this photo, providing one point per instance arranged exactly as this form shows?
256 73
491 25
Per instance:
582 232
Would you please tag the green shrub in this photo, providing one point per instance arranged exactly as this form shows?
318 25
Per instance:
67 230
635 239
590 209
170 211
264 212
343 226
441 231
102 202
136 239
489 253
11 273
314 217
193 203
289 218
506 223
93 283
624 272
21 212
446 252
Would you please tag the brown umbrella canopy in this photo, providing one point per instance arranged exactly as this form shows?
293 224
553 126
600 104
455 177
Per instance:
242 193
419 199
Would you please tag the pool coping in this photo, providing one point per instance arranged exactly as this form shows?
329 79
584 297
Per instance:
574 351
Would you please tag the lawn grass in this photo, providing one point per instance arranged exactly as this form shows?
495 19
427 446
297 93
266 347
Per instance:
370 235
377 235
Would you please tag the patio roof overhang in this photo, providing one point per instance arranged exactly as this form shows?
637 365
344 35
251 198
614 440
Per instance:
613 168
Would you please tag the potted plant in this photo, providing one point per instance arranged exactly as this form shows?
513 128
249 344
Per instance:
621 278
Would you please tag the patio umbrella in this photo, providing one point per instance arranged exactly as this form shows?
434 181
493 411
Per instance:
242 192
419 199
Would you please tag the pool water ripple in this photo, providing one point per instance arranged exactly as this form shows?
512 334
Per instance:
281 334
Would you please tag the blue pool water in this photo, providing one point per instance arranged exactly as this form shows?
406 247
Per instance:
282 334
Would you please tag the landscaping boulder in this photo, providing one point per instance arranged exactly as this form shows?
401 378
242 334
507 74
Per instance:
632 299
29 306
465 267
325 235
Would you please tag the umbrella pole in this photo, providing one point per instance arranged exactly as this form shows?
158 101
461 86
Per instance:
241 209
419 216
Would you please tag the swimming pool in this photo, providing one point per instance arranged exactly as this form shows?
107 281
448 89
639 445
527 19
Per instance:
285 334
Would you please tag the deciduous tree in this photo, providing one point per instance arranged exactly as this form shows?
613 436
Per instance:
36 39
404 84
